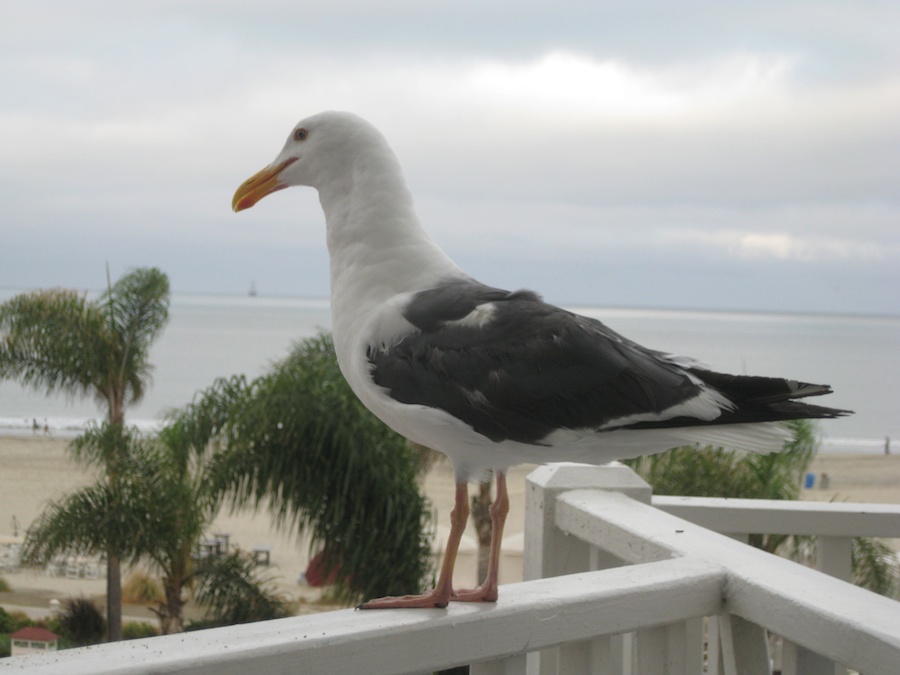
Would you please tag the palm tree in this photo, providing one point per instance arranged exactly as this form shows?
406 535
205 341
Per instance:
299 439
715 472
59 341
157 515
232 592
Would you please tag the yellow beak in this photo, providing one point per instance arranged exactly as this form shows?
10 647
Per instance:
259 185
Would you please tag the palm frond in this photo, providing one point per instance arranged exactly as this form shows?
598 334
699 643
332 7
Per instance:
876 566
48 340
233 592
137 309
300 442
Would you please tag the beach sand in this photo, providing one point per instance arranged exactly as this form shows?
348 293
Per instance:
36 469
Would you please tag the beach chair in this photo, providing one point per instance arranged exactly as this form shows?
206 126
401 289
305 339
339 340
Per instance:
13 558
91 569
56 567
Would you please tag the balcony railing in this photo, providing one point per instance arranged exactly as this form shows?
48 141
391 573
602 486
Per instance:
620 585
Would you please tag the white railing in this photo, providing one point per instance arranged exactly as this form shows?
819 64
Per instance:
587 527
675 597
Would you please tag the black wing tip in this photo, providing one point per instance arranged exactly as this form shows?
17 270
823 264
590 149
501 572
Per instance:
795 410
804 389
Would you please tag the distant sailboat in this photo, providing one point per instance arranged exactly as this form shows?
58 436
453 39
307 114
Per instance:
252 291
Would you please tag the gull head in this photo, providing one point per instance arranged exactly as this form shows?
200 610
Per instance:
320 149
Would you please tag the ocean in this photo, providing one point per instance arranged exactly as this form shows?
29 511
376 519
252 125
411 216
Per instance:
218 336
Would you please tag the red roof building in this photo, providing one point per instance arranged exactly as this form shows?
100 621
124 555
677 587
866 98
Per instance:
32 640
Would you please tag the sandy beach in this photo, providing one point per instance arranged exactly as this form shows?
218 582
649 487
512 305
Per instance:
36 469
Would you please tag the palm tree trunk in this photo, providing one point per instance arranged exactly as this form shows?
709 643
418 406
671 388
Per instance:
114 563
113 597
174 609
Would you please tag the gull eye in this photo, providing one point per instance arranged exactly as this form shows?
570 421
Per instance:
300 134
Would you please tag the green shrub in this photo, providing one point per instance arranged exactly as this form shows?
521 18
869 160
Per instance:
134 630
82 622
21 619
202 624
7 622
53 623
4 586
142 589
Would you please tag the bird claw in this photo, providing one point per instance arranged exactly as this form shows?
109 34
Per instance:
481 594
430 600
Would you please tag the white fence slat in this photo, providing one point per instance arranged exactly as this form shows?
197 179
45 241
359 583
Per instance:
834 556
745 647
653 651
511 665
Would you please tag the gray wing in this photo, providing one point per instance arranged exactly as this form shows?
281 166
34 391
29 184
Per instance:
514 367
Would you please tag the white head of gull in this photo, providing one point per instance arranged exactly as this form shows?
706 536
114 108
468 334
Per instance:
493 378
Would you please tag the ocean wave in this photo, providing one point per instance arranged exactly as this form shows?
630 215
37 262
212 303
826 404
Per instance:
66 427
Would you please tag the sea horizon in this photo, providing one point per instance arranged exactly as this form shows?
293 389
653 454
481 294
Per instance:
213 335
7 292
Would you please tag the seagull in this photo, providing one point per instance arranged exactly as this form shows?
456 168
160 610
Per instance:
489 377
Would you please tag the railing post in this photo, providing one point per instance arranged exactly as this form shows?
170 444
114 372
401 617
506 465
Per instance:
550 553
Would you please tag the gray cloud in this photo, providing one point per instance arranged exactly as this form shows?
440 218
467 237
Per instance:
702 154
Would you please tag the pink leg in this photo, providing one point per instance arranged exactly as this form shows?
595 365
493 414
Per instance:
487 592
441 595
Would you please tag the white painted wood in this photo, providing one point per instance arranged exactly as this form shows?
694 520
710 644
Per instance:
693 645
667 574
652 651
714 665
551 552
729 658
544 662
623 652
834 556
534 615
675 649
785 517
511 665
745 647
737 516
810 663
838 620
590 657
788 658
602 662
574 657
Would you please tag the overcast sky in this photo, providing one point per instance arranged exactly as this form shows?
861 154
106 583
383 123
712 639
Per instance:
653 154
